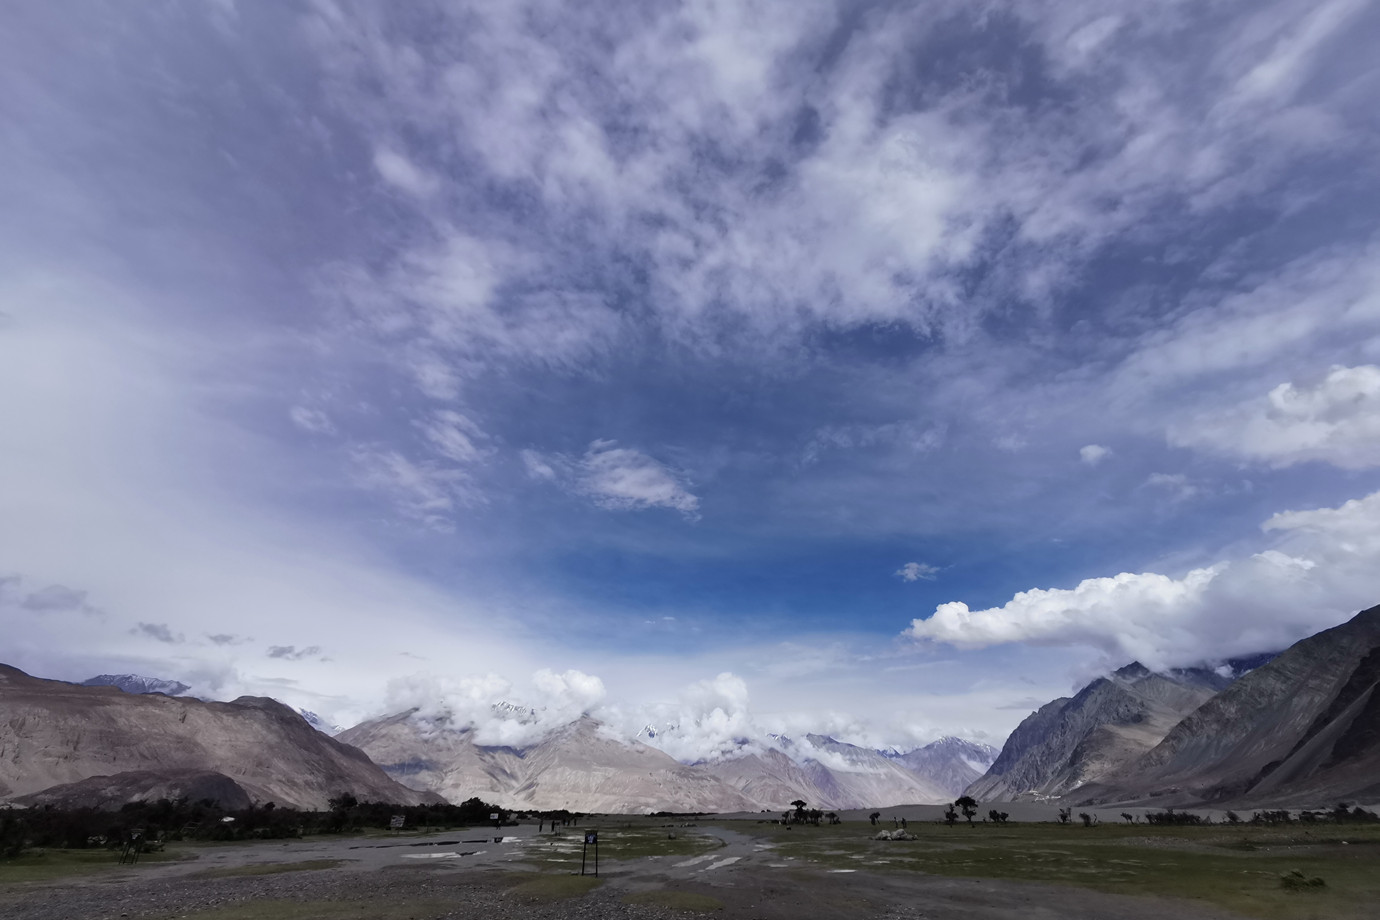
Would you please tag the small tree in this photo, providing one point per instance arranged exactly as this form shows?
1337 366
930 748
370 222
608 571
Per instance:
1064 815
950 816
873 817
969 806
799 810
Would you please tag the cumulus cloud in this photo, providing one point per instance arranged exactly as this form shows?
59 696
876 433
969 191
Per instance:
710 720
1093 454
490 706
917 571
1336 421
1318 571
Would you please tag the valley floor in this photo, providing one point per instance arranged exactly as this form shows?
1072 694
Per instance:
736 868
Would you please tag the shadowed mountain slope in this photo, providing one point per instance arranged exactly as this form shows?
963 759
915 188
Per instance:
1106 726
951 764
54 733
1304 726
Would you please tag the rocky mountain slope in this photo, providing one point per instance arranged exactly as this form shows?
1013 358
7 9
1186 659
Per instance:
847 776
54 733
581 768
952 764
576 767
1303 727
1103 728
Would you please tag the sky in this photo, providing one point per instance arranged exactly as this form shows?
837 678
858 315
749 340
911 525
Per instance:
878 369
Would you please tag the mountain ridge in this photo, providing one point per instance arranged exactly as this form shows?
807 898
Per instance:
57 734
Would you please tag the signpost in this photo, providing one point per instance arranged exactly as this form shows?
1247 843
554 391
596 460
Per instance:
397 821
591 840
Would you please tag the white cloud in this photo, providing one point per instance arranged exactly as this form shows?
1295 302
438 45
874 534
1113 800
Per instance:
1318 570
615 478
1336 421
456 437
499 714
917 571
400 172
1176 485
623 479
537 467
915 437
1093 454
424 492
570 693
312 420
710 719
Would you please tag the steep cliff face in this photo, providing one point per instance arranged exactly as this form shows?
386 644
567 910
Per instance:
1107 725
54 733
1304 724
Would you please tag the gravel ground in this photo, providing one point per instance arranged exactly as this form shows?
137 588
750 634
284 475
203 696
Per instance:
474 894
488 894
379 879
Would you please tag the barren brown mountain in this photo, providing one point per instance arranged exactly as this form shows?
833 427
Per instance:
53 734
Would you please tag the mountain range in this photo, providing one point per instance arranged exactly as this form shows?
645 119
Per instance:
1300 727
581 766
1303 725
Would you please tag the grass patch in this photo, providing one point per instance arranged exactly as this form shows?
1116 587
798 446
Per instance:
329 910
1236 868
676 900
556 887
51 864
620 844
307 865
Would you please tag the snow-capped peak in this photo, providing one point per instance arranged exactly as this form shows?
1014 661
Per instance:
134 683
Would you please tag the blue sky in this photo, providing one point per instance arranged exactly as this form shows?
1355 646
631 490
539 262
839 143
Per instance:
877 368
